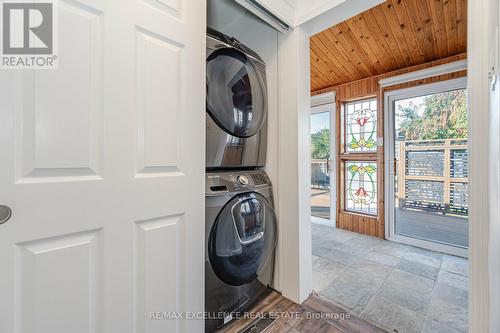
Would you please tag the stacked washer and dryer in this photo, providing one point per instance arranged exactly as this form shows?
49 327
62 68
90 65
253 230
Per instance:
241 227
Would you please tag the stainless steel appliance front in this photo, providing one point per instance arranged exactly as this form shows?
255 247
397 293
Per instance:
241 235
236 126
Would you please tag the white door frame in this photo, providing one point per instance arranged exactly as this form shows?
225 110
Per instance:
389 98
320 104
484 276
294 93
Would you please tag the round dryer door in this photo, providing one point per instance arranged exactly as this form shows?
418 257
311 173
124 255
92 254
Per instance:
236 93
242 239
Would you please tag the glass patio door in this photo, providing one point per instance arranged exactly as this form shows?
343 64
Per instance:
428 176
322 167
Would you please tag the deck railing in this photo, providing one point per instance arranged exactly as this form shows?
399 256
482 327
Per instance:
433 175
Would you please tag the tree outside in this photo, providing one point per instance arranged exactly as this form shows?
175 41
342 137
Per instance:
438 116
320 144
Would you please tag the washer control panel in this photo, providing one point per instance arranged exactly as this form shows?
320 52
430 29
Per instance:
228 182
243 180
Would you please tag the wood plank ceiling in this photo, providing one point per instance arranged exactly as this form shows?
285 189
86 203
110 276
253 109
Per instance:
393 35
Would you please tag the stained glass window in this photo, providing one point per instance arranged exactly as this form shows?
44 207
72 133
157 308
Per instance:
361 187
361 126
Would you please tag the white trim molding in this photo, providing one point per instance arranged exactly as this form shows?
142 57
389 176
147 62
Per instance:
323 99
482 40
425 73
294 209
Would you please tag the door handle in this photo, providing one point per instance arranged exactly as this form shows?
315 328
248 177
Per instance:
5 213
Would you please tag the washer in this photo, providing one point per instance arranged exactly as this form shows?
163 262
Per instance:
236 125
241 236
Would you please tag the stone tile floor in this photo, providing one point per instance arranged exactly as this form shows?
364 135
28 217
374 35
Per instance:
397 287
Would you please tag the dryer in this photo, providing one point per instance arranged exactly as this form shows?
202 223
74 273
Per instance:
236 125
241 236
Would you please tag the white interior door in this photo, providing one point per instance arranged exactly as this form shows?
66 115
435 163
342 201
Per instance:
103 168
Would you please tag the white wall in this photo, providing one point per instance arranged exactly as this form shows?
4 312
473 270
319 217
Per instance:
294 162
328 13
230 18
308 9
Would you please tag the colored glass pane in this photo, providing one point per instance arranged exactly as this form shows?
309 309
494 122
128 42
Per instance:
361 187
361 126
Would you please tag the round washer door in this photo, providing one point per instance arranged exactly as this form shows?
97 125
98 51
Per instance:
242 239
236 93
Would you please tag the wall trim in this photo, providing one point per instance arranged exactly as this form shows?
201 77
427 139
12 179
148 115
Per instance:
322 99
425 73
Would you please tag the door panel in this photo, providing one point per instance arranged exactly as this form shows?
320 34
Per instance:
158 89
103 167
60 134
59 271
161 235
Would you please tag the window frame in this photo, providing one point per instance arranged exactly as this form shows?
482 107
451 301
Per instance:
359 156
344 125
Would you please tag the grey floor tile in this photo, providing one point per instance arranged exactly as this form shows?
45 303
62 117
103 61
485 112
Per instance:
328 233
453 295
372 267
358 245
427 258
429 253
326 266
455 265
351 296
321 229
320 281
353 288
394 285
382 258
393 317
329 244
414 300
401 279
454 280
434 326
370 240
448 314
335 255
418 269
361 278
391 249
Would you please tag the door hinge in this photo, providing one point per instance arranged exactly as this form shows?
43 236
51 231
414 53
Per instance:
492 76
